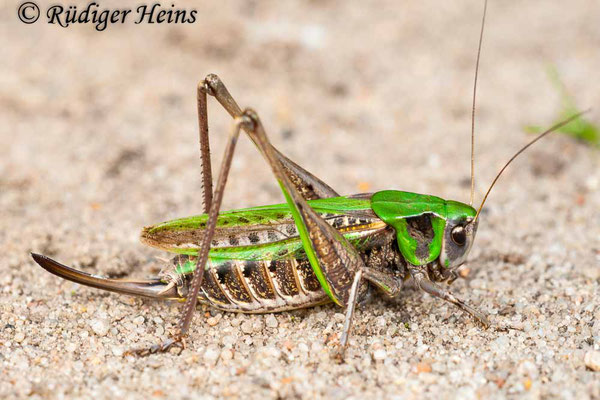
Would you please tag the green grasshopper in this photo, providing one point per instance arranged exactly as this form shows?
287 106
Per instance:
316 248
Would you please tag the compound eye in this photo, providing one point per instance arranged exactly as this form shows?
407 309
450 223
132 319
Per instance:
459 235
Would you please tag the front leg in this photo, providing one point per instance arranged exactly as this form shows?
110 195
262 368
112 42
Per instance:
428 286
388 283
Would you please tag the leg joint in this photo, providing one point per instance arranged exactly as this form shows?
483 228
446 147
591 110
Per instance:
204 87
251 116
211 84
245 122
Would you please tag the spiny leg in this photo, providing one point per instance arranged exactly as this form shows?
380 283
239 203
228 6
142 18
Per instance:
309 186
205 164
429 287
192 298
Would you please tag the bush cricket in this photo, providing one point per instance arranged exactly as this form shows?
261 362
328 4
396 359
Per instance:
317 247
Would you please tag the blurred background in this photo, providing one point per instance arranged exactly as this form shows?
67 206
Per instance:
99 129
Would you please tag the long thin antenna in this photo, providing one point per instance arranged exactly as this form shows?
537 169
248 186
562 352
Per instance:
541 135
473 109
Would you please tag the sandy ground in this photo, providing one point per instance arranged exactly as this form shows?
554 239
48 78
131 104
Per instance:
99 139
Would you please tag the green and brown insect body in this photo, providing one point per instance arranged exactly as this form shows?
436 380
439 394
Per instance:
257 262
315 248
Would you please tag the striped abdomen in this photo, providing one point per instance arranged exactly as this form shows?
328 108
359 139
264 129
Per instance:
261 286
271 285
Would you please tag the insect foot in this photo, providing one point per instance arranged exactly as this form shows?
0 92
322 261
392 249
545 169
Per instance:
337 351
167 345
339 355
506 328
